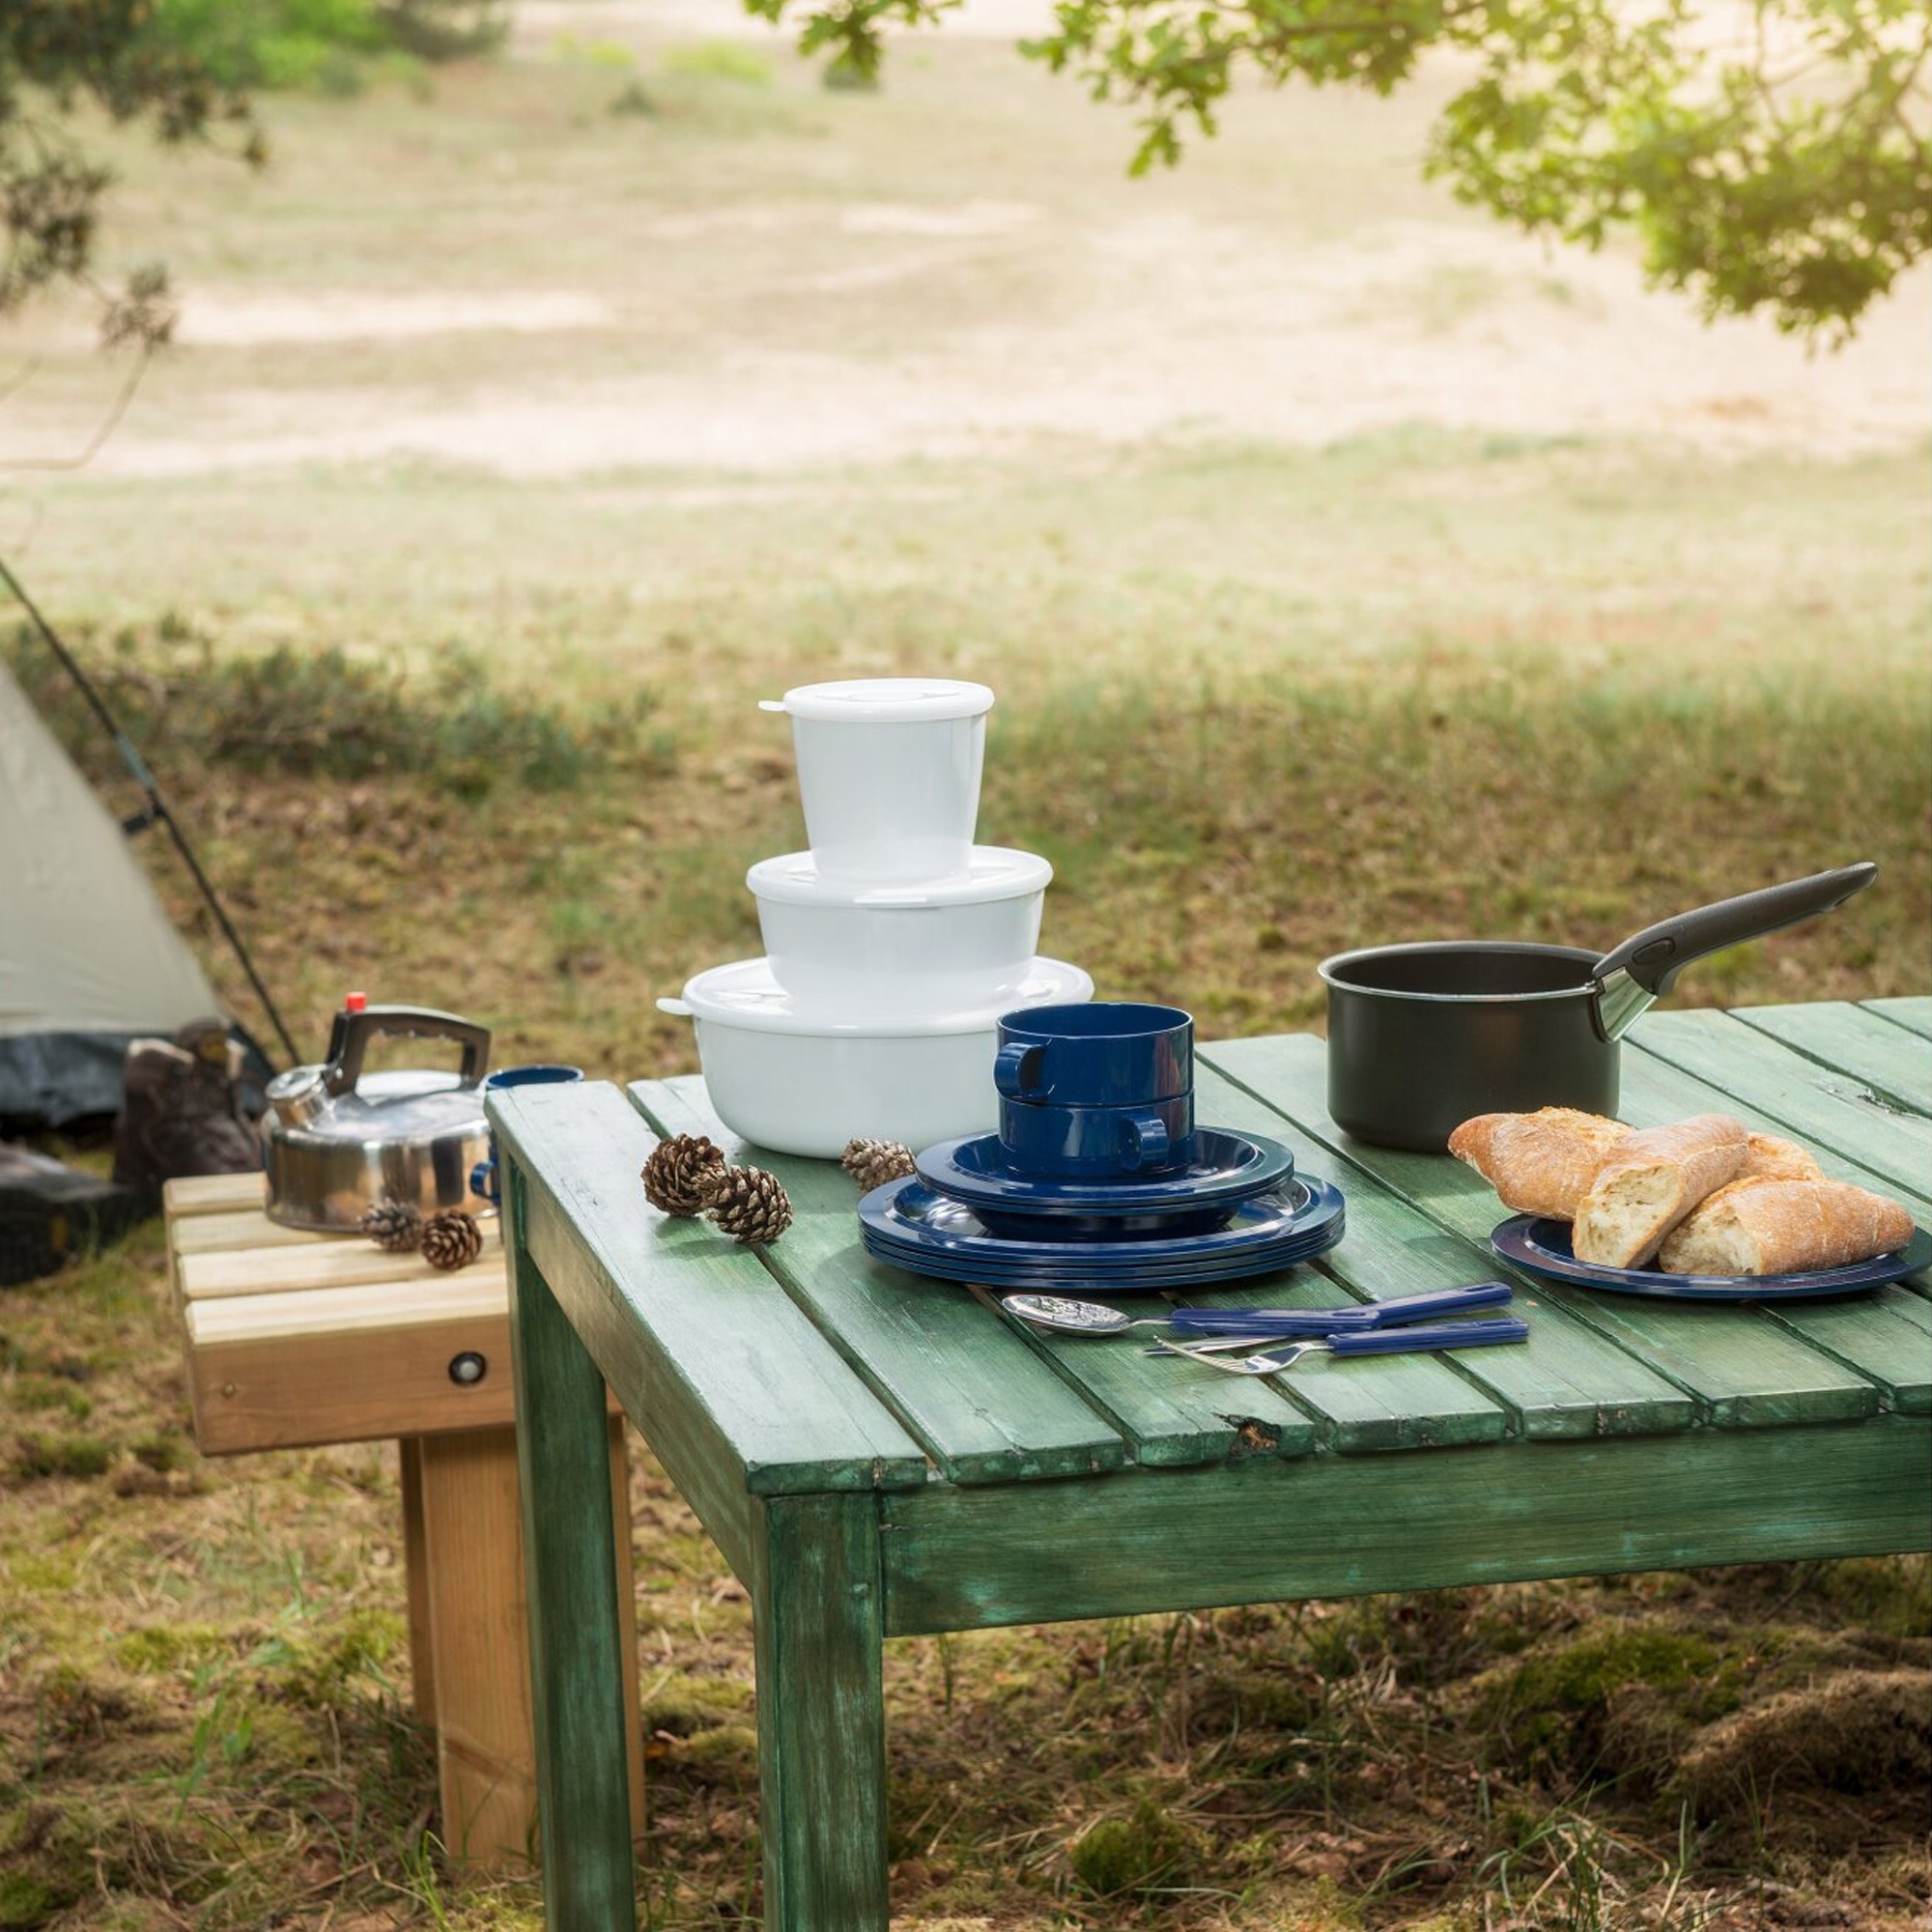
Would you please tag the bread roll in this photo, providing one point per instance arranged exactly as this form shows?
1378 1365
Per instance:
1768 1158
1650 1184
1540 1163
1783 1227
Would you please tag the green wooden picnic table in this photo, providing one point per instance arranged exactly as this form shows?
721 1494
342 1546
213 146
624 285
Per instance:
877 1455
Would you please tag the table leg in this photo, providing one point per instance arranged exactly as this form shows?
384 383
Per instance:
821 1715
577 1665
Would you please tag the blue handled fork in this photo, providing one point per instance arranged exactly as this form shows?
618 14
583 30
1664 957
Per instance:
1363 1342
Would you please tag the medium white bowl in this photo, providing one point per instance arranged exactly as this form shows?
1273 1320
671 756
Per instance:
901 952
889 773
798 1082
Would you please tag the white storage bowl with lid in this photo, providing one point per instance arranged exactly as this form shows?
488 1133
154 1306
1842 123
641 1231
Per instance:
889 773
783 1075
901 951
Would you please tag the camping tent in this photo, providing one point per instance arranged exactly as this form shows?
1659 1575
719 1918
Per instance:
88 959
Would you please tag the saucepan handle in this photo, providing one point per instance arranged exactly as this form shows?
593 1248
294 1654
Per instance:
1646 965
409 1023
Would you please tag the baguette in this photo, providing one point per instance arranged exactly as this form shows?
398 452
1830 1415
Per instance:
1541 1163
1785 1227
1650 1184
1770 1158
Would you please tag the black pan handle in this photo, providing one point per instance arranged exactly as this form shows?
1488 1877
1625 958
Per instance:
1655 956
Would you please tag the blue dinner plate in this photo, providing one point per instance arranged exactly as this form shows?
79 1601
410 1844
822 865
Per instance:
1544 1247
906 1222
1065 1274
1228 1168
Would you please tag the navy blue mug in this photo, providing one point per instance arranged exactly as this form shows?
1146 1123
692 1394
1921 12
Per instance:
1107 1053
483 1176
1093 1142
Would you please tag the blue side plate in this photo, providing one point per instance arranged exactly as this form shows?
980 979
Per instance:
1228 1168
1543 1248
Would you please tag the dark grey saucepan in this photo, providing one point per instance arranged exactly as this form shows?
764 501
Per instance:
1421 1038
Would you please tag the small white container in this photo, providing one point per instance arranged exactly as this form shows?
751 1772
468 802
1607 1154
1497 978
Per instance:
889 773
901 952
783 1075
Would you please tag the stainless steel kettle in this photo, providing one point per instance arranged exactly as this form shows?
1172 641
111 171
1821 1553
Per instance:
335 1140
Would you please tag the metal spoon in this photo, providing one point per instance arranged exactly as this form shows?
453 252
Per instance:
1069 1317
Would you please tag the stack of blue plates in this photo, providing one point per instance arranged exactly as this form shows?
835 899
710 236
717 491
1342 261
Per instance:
912 1225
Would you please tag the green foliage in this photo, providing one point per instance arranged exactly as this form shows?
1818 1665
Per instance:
720 60
54 55
1148 1849
333 714
1792 175
321 44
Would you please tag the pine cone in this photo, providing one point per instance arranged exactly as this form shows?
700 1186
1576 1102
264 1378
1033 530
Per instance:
748 1204
451 1239
675 1174
393 1226
873 1163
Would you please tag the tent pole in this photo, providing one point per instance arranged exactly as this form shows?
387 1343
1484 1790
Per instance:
158 807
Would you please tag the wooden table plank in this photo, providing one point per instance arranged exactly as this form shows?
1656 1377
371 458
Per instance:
726 1380
1565 1381
1743 1369
1812 1102
329 1261
985 1406
1173 1414
1852 1041
211 1194
1914 1015
1342 1526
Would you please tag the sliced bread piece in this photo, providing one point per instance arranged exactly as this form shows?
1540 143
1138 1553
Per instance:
1770 1158
1781 1227
1540 1163
1650 1184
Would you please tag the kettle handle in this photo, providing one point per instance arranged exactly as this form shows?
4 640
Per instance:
412 1023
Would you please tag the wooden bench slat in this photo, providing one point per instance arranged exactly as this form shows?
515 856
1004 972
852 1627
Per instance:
987 1407
1816 1105
232 1227
730 1384
330 1261
211 1194
1850 1041
1914 1014
1743 1369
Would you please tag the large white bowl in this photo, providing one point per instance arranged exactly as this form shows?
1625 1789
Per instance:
796 1082
901 952
889 773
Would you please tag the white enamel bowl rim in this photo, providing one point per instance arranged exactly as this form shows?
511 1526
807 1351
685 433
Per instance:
884 701
743 994
992 872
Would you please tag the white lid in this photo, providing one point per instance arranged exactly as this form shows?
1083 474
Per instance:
992 872
744 994
884 701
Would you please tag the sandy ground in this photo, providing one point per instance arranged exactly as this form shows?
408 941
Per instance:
769 332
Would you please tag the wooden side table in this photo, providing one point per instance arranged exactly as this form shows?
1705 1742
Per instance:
293 1339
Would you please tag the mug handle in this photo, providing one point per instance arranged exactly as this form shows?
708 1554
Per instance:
1146 1136
483 1181
1018 1069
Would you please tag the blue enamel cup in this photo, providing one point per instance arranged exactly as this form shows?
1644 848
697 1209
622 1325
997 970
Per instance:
483 1176
1108 1052
1098 1141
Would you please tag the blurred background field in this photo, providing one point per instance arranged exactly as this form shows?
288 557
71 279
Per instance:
1348 570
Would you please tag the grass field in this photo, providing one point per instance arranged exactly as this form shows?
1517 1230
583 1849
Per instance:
1347 571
